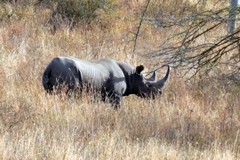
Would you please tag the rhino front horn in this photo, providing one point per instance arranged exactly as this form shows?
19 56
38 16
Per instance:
161 82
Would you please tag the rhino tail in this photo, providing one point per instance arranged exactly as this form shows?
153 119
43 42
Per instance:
46 80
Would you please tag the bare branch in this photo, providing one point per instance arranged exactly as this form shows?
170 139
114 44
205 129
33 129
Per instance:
188 50
139 27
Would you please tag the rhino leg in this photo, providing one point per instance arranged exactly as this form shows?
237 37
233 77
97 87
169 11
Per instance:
112 98
115 100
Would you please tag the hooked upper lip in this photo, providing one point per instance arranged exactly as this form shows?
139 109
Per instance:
160 91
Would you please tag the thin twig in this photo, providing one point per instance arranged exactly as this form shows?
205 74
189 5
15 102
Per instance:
138 28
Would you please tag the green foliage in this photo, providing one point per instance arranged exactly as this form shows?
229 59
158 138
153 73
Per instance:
6 11
15 9
78 10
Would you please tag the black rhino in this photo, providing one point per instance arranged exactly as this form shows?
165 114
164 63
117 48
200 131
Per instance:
111 78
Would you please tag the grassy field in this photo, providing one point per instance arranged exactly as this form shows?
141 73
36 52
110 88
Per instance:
194 119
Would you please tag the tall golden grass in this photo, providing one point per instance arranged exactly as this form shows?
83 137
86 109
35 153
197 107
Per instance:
196 119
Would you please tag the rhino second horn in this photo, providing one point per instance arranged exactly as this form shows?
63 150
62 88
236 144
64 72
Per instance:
153 78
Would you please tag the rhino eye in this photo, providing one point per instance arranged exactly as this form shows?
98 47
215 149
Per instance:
149 85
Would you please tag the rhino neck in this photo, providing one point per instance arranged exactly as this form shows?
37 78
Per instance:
127 71
129 89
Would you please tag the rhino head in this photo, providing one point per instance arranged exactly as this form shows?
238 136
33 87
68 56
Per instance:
147 87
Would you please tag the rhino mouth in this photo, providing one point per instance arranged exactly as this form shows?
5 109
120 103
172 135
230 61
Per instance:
142 95
159 91
151 95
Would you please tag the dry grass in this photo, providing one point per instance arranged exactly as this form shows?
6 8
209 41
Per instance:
197 119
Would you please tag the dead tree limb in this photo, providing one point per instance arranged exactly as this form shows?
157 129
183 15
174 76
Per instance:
139 27
202 42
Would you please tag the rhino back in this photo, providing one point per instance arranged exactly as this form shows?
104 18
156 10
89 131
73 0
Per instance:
103 73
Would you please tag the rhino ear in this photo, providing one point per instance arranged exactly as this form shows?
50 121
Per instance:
139 69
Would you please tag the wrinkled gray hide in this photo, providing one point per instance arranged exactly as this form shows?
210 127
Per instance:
111 78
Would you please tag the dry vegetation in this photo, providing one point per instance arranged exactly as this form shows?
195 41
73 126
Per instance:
196 119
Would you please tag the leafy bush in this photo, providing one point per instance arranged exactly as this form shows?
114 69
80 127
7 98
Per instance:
77 10
16 9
